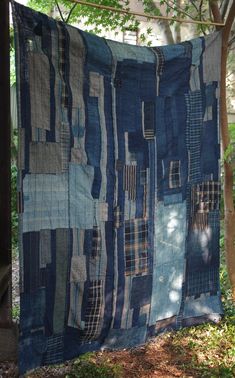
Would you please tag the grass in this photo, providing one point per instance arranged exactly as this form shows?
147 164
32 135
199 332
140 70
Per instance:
211 347
87 367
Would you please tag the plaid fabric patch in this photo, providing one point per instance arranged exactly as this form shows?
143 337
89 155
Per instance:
93 311
65 146
136 246
96 242
205 197
160 60
174 174
193 133
202 282
54 353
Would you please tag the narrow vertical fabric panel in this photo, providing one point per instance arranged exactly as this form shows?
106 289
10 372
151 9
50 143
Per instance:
39 83
62 255
118 188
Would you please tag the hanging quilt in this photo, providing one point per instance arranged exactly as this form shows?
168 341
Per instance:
118 188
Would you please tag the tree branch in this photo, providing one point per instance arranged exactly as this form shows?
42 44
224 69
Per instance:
194 5
215 12
178 9
224 8
61 14
70 12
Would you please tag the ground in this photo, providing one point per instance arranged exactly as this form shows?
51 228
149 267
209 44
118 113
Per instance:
205 351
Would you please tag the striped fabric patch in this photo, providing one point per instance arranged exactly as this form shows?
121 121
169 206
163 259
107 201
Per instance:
129 180
194 133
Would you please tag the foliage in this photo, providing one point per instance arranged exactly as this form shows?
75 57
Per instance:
12 57
230 78
16 312
232 144
211 348
98 20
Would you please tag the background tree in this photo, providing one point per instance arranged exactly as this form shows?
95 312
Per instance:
212 10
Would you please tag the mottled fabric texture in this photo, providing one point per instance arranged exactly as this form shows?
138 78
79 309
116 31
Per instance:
118 188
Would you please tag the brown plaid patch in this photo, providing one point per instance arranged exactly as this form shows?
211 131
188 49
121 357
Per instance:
205 197
136 246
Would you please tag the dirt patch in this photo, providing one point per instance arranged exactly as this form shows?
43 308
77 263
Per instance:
156 359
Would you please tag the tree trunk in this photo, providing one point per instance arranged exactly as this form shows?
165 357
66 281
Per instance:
229 211
167 31
178 26
5 169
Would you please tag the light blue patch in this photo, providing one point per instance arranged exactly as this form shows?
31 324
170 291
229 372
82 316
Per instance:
170 233
167 290
45 202
196 51
138 53
125 338
81 204
170 199
168 260
204 305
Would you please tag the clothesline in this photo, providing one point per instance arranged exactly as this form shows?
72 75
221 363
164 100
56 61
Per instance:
147 15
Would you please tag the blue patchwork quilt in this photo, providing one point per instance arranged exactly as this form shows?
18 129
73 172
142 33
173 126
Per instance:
118 188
